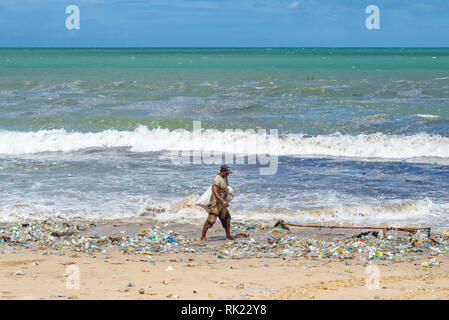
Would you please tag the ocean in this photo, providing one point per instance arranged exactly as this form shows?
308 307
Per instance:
362 133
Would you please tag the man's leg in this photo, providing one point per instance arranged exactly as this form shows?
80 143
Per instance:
226 222
208 224
205 228
228 233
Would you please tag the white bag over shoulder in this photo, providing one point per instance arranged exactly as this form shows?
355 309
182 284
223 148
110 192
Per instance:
203 201
230 194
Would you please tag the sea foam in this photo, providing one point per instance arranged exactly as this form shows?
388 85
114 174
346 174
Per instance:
143 139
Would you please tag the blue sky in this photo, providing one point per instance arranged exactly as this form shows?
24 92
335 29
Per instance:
224 23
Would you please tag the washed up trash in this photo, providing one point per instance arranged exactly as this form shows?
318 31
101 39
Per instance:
424 242
254 241
18 273
59 234
261 290
279 230
446 234
62 234
372 233
430 263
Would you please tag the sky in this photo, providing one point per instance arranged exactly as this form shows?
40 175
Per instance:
224 23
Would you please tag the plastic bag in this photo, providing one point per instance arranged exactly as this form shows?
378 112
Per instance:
230 194
203 201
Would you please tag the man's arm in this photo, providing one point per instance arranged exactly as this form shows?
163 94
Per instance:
217 196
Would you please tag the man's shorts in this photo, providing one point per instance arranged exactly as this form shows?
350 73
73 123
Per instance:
218 210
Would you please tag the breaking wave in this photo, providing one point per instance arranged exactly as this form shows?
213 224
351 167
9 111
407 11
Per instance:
397 212
405 212
143 139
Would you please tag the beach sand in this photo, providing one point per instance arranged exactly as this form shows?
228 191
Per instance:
27 273
202 277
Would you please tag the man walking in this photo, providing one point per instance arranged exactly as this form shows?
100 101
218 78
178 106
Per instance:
218 206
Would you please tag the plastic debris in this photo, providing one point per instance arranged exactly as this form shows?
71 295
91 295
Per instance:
430 263
18 273
253 240
59 234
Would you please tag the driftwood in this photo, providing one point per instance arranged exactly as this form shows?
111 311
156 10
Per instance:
385 228
62 234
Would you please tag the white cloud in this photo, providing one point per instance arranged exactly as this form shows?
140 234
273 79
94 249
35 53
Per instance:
293 5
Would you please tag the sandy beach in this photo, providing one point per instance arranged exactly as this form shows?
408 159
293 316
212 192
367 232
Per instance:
37 271
124 125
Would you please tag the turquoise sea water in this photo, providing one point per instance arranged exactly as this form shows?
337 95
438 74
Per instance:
353 90
364 132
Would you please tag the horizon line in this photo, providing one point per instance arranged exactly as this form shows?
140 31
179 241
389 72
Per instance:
225 47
